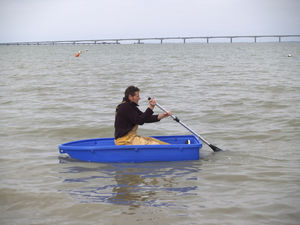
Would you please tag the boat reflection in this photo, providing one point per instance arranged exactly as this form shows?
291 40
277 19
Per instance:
129 184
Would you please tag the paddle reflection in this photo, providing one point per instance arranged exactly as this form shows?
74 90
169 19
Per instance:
152 184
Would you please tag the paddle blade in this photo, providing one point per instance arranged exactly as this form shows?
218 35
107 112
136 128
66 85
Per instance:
215 148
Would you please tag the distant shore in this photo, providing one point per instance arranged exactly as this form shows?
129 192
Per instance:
161 40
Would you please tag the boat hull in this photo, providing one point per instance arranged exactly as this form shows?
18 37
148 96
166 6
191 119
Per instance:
105 150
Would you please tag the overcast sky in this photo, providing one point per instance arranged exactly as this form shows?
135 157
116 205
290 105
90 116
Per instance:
45 20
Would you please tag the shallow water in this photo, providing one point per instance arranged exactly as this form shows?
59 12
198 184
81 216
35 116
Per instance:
243 97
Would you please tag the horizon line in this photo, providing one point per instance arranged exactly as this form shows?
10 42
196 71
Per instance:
118 40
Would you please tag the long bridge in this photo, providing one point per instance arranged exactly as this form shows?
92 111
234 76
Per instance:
160 40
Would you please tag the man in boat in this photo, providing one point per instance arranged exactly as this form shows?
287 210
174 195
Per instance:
128 117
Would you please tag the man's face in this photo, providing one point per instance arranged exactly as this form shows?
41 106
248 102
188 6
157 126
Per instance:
135 98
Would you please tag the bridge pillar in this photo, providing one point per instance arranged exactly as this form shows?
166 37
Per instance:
231 40
161 41
279 39
255 39
183 40
207 40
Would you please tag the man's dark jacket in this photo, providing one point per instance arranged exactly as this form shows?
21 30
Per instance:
128 115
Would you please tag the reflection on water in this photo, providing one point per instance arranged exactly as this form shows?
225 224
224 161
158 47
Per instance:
128 189
137 184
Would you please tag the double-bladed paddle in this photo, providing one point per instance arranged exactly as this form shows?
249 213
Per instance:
213 147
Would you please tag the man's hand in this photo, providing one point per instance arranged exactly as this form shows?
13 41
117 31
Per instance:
152 103
164 115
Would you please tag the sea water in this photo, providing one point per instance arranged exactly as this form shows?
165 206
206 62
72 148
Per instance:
242 97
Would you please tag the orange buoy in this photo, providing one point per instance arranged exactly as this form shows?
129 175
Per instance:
77 54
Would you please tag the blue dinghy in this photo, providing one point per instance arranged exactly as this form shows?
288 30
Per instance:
105 150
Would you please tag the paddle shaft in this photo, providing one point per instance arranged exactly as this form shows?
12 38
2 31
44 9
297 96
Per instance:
183 124
213 147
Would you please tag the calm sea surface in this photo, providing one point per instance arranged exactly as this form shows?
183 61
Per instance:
242 97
